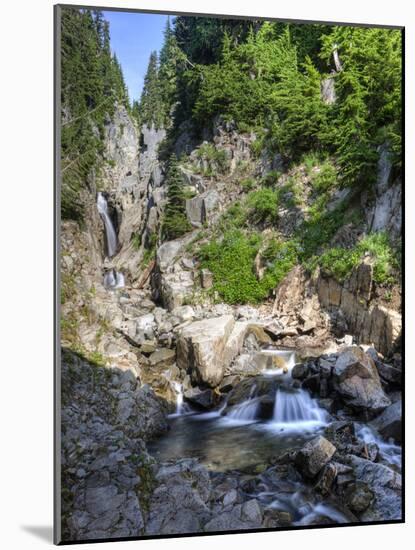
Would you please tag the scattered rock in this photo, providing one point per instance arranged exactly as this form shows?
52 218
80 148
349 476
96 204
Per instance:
389 423
357 381
314 456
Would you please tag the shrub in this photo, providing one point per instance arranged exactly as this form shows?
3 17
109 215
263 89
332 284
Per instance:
208 151
262 205
325 178
247 184
231 262
340 262
281 258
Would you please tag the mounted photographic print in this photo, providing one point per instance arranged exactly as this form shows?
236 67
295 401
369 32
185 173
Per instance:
229 262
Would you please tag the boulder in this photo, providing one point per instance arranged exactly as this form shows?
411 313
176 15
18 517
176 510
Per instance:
201 398
389 423
201 349
356 379
314 456
179 503
163 357
184 313
358 497
201 208
386 485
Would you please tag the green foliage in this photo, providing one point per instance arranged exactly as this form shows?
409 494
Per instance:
92 84
281 257
340 262
208 152
324 178
247 184
151 106
231 262
262 205
175 222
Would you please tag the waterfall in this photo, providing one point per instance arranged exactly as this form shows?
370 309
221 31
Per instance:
283 361
390 452
294 408
178 388
247 410
114 279
102 206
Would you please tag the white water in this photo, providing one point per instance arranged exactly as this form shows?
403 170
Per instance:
322 510
114 279
102 206
390 452
295 409
284 361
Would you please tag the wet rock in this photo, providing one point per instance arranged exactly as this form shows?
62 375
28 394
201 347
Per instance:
341 433
357 381
386 486
389 423
300 371
326 479
358 497
251 511
314 456
201 398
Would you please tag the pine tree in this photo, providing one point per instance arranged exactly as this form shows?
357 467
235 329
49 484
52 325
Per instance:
175 222
151 110
167 74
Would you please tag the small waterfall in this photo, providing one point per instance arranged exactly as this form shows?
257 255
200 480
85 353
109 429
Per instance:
247 410
178 388
114 279
102 206
390 452
294 408
282 361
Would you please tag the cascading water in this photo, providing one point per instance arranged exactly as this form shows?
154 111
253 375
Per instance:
247 410
282 361
390 452
112 278
295 409
102 206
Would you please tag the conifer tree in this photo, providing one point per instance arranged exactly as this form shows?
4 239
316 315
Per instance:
175 222
151 110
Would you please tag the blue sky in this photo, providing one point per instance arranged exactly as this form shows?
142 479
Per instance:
133 37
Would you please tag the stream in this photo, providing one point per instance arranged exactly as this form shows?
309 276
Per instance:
236 441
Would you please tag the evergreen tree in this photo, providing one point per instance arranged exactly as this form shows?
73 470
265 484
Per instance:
168 66
151 108
91 85
175 222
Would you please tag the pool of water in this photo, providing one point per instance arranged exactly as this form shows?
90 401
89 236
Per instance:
223 443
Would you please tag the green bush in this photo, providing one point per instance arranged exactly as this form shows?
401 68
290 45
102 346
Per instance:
325 178
340 262
208 151
281 257
231 262
247 184
262 205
